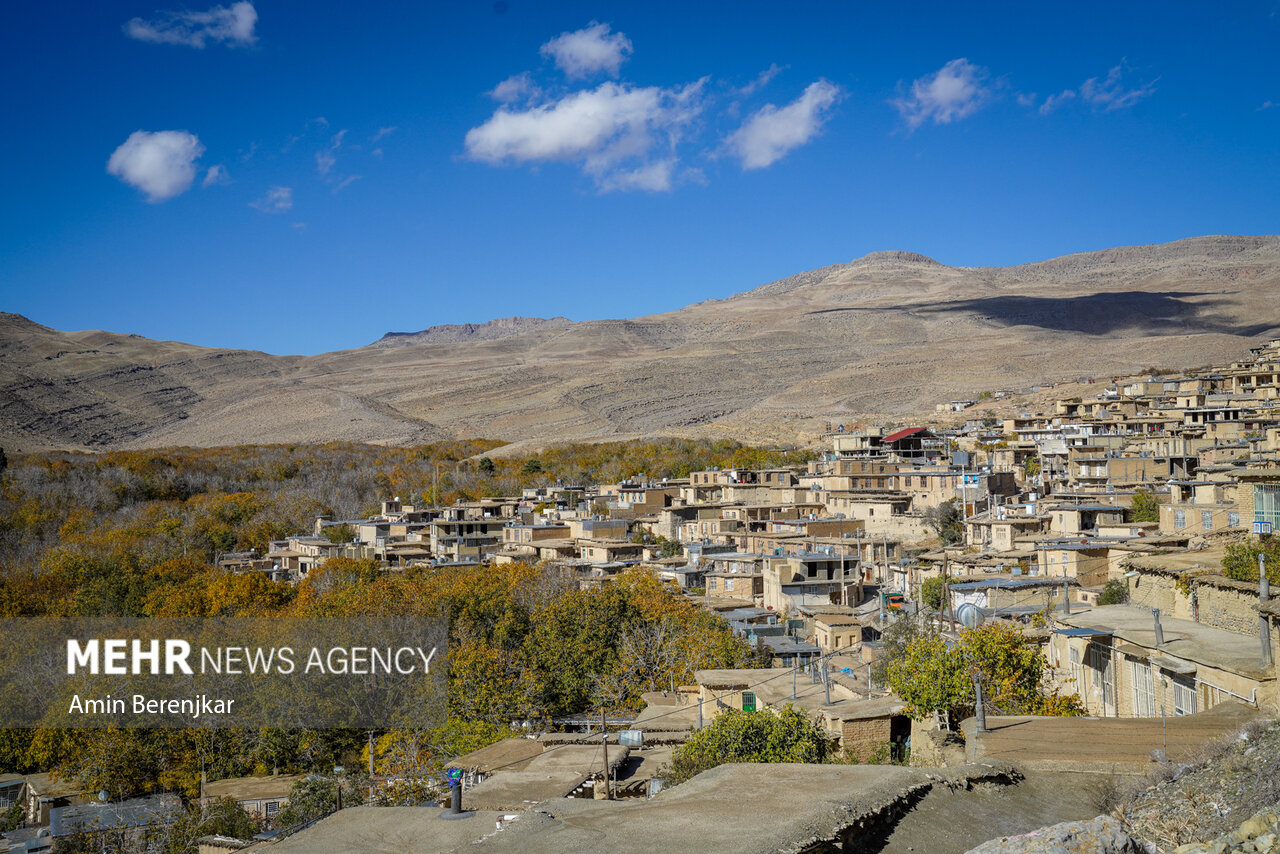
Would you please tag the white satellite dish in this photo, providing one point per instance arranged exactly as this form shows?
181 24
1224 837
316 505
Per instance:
969 615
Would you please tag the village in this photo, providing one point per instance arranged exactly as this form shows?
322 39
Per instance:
1100 529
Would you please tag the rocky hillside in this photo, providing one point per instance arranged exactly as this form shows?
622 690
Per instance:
1211 796
881 337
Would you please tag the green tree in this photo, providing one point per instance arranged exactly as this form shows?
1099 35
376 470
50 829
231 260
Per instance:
485 465
931 592
225 817
1241 560
1031 467
531 466
1145 507
1115 593
314 796
785 735
4 461
931 676
934 674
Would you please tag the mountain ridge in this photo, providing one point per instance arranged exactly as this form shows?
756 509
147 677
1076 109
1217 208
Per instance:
887 335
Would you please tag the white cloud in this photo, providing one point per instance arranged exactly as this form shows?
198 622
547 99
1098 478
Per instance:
1266 105
653 177
277 200
217 174
585 52
771 132
611 132
518 87
231 25
326 158
953 92
1111 94
763 79
1106 95
1053 102
345 182
384 132
161 164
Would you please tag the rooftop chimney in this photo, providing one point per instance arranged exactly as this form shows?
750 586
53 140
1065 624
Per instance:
1155 615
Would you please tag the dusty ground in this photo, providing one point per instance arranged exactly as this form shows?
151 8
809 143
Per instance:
874 340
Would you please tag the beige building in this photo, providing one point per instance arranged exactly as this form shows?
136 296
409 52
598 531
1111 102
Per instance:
1113 659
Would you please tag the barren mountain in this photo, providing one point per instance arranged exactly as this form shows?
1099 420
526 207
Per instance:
885 335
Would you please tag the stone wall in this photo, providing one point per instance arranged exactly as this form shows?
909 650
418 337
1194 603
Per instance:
931 748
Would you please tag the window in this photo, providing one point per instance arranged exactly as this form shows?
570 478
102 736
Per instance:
1233 520
1184 695
272 808
1266 504
1206 520
1179 519
1144 697
748 701
728 584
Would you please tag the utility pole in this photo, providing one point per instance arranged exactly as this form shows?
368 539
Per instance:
945 610
884 576
604 731
980 707
1264 622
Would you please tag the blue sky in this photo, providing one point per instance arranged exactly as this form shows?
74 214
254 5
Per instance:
299 177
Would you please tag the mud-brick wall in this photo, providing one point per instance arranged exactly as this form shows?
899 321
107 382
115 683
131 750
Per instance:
861 739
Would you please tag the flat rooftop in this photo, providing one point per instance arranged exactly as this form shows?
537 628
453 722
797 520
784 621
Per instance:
732 808
1120 744
1184 639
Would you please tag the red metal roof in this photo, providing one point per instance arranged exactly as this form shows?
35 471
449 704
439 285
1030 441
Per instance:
901 434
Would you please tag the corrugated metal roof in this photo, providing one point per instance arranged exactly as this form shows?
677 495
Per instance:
901 434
